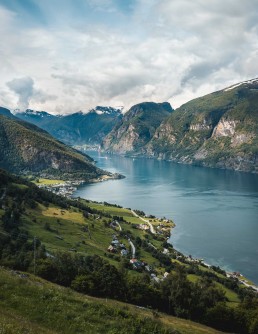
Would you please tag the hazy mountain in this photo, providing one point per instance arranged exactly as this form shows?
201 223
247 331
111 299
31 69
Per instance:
25 148
6 112
137 127
77 128
217 130
39 118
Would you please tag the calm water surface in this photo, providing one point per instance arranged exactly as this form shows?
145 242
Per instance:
215 211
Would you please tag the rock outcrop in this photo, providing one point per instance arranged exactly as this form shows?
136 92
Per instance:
137 127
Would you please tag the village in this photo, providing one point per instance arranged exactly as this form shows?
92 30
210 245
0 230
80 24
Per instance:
64 188
117 247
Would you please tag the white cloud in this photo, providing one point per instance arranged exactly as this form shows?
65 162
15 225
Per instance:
161 50
26 92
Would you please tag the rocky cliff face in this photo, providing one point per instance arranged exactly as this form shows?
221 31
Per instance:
217 130
225 128
136 128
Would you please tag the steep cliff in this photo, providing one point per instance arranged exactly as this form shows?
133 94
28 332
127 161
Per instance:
217 130
137 127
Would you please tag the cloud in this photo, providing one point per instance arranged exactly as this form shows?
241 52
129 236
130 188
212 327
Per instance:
23 87
103 52
26 92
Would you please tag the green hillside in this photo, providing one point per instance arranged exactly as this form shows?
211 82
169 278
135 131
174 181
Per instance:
217 130
67 241
31 305
25 148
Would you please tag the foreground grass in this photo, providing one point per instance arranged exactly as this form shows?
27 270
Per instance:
31 305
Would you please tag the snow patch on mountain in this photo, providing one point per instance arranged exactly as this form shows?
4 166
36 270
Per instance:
252 81
30 112
100 110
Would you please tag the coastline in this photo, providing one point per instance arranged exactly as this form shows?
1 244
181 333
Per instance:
68 188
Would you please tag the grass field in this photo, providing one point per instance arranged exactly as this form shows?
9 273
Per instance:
61 310
47 182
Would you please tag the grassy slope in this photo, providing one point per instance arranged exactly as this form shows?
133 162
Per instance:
24 146
65 231
61 310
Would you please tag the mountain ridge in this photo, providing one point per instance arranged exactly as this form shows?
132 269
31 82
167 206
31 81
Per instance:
137 127
218 130
25 148
76 128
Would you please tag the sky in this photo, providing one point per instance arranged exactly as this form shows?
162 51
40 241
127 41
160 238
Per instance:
63 56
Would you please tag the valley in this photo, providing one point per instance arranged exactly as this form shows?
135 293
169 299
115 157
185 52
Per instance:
59 232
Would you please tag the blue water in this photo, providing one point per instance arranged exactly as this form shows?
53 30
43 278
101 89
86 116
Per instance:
215 211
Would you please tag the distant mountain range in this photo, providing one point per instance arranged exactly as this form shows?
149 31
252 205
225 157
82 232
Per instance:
216 130
78 128
27 149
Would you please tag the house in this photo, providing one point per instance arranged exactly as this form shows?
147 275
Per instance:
148 268
111 249
143 227
124 252
165 251
115 242
155 278
136 264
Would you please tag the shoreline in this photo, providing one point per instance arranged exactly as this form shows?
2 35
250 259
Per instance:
68 188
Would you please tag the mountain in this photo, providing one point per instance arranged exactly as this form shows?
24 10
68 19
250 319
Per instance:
137 127
6 112
217 130
25 148
78 128
39 118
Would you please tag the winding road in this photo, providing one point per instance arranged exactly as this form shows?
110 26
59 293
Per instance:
133 248
120 228
146 221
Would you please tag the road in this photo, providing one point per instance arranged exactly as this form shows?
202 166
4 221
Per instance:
120 228
146 221
133 248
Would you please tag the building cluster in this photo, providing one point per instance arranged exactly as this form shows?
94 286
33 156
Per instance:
163 230
65 189
116 246
143 227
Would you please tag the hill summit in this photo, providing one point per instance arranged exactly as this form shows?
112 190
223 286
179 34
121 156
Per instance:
25 148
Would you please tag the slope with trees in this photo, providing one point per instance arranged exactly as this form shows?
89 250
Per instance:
64 242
